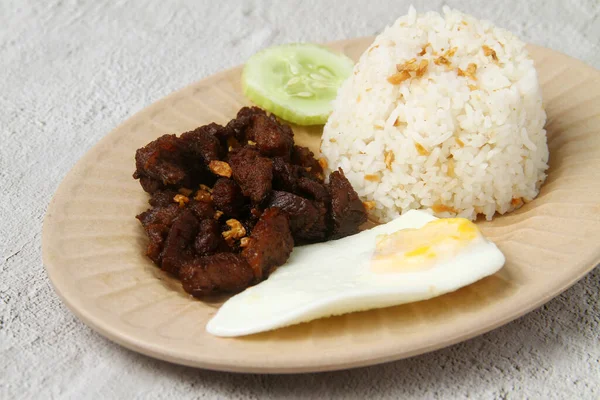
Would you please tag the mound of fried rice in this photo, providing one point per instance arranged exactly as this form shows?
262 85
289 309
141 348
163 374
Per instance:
442 113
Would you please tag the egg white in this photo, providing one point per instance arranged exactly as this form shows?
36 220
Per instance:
334 278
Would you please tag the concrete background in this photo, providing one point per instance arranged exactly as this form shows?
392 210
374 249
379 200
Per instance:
73 70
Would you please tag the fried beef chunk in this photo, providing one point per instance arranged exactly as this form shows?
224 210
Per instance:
222 133
172 162
221 272
201 142
313 190
252 172
347 211
227 197
307 218
285 175
150 185
305 158
157 222
209 239
160 215
160 163
228 203
270 244
290 178
272 139
162 198
239 125
201 209
179 245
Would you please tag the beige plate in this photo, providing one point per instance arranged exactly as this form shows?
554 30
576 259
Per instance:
93 246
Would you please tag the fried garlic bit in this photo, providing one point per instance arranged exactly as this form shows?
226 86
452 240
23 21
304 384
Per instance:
218 214
220 168
489 52
369 205
441 60
205 188
470 72
516 202
422 68
410 65
181 199
203 196
450 52
323 162
244 242
236 230
398 77
406 70
389 158
421 150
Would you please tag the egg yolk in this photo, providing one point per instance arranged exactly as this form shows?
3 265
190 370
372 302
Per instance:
420 249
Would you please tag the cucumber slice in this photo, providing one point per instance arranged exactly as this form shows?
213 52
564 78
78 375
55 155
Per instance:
296 82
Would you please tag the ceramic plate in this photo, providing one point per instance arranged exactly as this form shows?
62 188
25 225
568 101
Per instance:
93 247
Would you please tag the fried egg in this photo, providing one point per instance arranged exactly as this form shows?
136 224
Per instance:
414 257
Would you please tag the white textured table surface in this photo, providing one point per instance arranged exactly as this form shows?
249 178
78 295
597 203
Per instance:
73 70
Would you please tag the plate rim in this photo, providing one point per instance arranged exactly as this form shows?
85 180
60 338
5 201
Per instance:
125 339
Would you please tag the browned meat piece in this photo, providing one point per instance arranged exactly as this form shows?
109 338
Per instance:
161 161
290 178
160 215
347 211
150 185
227 197
162 198
307 218
252 173
305 158
285 175
173 163
157 222
209 240
201 143
179 245
221 272
272 140
156 239
222 133
270 244
313 190
201 209
243 119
